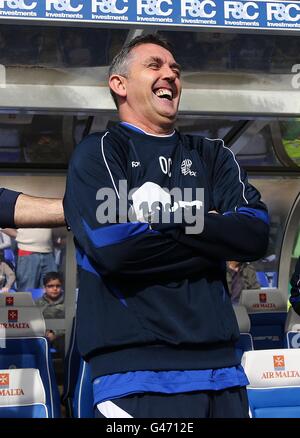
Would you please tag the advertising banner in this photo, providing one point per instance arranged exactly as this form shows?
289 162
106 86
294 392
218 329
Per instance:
259 14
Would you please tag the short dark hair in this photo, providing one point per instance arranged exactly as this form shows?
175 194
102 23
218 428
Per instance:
52 276
120 63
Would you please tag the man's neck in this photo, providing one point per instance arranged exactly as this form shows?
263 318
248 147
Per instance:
149 128
138 129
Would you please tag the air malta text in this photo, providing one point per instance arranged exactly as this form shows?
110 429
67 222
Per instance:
279 374
17 325
264 306
11 392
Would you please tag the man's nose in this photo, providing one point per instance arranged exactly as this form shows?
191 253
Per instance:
168 73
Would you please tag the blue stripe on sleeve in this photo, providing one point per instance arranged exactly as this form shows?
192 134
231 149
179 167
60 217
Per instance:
116 233
252 212
118 294
294 299
86 265
78 257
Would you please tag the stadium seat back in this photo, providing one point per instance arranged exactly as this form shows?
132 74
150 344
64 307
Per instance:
292 330
263 300
22 394
26 352
274 376
292 322
16 299
245 342
21 321
267 311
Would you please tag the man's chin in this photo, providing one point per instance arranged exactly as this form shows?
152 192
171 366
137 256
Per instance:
168 119
166 113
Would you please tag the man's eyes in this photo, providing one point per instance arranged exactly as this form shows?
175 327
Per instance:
153 65
156 66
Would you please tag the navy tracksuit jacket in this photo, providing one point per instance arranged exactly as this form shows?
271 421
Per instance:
152 297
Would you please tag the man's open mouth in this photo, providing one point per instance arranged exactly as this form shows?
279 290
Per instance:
164 93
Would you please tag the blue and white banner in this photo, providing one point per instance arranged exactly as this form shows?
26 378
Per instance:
258 14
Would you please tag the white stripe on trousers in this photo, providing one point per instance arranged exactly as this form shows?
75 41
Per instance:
111 410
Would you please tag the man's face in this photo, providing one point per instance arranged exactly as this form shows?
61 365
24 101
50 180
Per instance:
53 289
153 87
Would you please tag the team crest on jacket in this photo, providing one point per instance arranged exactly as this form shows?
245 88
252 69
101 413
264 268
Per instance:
186 167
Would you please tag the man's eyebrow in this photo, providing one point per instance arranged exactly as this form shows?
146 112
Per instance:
176 65
153 58
160 61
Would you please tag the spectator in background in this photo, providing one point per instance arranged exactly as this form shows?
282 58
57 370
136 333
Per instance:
7 275
35 256
52 306
59 250
240 276
5 241
6 247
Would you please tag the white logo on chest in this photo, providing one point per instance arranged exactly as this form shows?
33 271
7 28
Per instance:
165 165
186 168
135 163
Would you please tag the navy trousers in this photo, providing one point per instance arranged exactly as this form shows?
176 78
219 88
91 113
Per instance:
227 403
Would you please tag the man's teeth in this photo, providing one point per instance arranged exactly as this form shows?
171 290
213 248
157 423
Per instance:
163 92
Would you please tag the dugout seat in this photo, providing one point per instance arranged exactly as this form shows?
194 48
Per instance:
274 376
267 310
245 342
18 299
22 394
21 321
292 330
33 353
23 345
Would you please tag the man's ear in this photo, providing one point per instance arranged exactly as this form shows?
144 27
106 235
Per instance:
118 84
